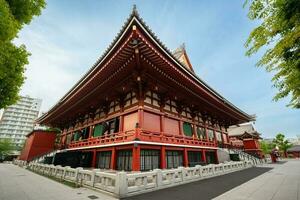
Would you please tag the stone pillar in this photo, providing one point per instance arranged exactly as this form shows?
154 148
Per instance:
159 177
121 185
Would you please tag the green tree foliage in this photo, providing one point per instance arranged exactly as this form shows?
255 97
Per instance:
6 147
266 147
282 143
279 34
14 14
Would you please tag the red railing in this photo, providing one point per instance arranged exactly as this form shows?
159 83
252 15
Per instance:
105 139
174 139
141 135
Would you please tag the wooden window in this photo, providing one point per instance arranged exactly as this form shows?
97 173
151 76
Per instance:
107 127
103 159
211 135
124 160
113 125
130 99
114 106
187 129
167 107
69 137
152 98
201 133
195 158
76 135
98 130
218 136
224 137
174 159
150 159
211 157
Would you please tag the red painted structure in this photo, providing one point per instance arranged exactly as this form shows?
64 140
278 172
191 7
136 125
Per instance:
245 137
38 142
294 151
141 104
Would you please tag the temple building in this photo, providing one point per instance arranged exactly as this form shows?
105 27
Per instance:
245 137
141 107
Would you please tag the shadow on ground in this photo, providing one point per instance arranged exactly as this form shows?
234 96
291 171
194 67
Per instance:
280 162
203 189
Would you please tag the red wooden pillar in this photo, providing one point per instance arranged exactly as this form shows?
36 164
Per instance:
121 125
180 127
215 136
91 131
217 159
140 117
185 158
113 158
94 159
136 157
162 123
163 157
204 156
206 134
195 131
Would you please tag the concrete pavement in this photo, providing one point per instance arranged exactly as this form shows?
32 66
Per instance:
19 184
270 182
280 183
203 189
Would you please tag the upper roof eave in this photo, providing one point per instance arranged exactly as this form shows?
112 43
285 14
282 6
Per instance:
134 17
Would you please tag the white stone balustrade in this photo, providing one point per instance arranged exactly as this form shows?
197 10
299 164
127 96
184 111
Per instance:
122 184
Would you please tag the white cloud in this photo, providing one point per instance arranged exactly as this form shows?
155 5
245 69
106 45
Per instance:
49 74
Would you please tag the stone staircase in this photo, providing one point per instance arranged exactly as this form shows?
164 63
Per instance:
41 158
247 157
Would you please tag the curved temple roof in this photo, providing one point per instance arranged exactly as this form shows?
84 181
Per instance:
135 20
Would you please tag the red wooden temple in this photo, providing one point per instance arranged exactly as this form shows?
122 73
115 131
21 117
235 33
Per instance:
245 137
141 107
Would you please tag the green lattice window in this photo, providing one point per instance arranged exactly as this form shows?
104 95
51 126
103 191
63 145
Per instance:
76 135
187 129
98 130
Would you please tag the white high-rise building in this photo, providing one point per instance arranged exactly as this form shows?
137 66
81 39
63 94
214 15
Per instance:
18 120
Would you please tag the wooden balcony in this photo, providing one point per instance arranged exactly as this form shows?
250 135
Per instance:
141 135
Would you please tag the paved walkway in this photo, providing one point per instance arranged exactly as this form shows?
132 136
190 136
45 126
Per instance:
19 184
270 182
281 183
203 189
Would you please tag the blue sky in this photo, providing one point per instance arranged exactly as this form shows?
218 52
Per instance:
69 36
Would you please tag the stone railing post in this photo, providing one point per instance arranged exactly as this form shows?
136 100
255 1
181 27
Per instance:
93 177
76 173
183 173
121 184
200 170
159 177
